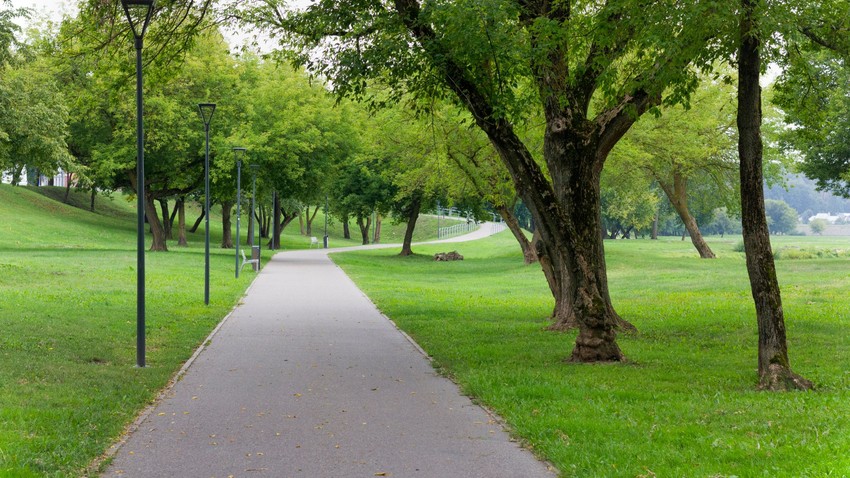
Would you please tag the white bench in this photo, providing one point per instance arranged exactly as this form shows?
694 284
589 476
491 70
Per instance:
314 241
245 260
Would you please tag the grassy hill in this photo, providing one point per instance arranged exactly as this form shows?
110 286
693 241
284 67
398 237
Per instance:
68 319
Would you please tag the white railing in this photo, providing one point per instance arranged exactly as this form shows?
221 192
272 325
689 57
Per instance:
457 229
497 227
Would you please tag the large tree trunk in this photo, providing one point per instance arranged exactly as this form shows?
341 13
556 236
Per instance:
251 226
529 255
364 227
310 218
67 189
567 209
563 316
654 235
198 221
774 368
677 193
167 218
181 222
346 230
157 231
276 213
376 237
412 216
261 215
226 233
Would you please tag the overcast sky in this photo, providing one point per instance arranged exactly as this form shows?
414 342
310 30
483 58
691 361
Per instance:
52 9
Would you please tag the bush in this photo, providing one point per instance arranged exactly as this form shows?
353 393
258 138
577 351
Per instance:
817 226
792 253
782 218
738 247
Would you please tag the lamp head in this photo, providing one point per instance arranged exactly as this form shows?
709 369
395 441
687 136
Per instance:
207 110
239 153
138 14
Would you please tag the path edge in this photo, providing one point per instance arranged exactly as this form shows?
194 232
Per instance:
95 468
497 419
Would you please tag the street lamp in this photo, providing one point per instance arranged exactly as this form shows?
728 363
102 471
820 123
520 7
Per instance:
254 169
239 153
139 11
207 110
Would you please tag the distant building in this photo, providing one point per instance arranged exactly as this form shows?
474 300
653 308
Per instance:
32 177
832 219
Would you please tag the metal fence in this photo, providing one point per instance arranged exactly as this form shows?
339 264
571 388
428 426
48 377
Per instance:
497 227
456 230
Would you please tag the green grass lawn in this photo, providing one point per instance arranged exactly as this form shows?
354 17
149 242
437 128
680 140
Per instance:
68 385
685 404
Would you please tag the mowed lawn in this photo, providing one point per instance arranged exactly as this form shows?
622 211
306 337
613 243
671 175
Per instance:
685 404
68 321
68 381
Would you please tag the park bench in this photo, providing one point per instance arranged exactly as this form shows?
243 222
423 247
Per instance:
245 260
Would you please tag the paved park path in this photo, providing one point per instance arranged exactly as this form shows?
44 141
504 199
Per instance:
306 378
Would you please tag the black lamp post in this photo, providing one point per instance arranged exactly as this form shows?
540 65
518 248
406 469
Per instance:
139 16
254 169
239 153
207 110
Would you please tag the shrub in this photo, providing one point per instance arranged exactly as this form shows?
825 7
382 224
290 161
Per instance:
738 247
817 226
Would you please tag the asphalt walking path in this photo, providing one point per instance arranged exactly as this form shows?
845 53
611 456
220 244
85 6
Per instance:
306 378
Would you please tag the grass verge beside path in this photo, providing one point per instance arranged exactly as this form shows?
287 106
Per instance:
68 385
68 322
685 405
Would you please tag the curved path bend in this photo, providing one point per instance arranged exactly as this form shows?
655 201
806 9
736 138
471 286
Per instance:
306 378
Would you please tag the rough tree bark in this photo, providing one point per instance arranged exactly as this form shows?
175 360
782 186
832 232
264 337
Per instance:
364 227
376 237
566 211
274 243
774 368
200 218
157 231
67 198
167 218
346 230
412 216
226 233
310 218
181 222
677 194
529 255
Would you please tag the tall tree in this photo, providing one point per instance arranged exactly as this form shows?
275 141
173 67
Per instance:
33 121
815 95
297 137
774 367
683 145
9 30
629 202
473 155
497 58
